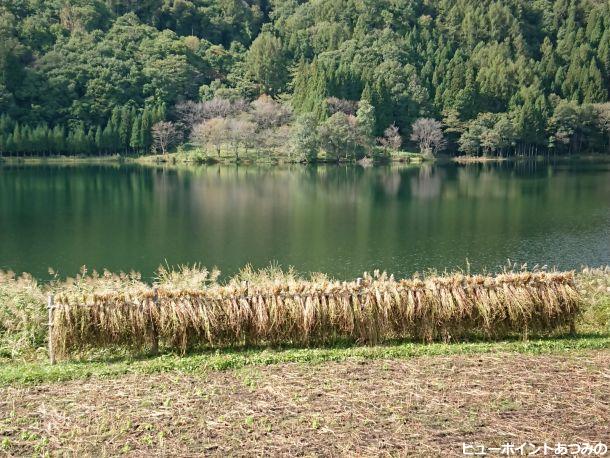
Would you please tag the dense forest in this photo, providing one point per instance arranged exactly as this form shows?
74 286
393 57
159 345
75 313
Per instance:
124 76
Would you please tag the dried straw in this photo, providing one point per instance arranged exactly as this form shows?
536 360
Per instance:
291 310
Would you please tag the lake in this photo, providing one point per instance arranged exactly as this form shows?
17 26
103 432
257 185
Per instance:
341 220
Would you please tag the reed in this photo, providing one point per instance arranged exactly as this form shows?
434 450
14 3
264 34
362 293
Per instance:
22 315
274 307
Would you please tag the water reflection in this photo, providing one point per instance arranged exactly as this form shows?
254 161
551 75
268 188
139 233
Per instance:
341 220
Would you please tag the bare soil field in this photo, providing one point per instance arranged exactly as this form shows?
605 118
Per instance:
425 406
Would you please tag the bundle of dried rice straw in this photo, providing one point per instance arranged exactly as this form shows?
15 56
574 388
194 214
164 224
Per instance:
292 310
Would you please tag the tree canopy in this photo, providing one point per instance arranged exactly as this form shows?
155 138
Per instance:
497 74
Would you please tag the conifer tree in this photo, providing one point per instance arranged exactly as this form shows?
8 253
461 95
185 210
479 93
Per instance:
595 90
108 138
79 140
136 141
125 127
59 139
159 114
366 123
99 140
17 139
146 126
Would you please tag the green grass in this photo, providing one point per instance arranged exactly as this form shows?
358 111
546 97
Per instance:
410 156
227 156
194 155
28 373
65 160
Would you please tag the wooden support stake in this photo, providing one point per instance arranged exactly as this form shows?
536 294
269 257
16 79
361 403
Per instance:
249 324
573 327
155 333
50 308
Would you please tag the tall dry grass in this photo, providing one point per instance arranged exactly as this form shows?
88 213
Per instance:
275 307
594 285
22 316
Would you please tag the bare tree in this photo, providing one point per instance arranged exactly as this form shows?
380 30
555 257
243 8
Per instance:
190 113
276 138
427 132
214 132
164 135
391 138
240 131
217 108
336 105
268 113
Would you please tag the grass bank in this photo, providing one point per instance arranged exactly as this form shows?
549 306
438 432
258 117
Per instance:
113 363
267 156
199 157
477 159
66 160
399 398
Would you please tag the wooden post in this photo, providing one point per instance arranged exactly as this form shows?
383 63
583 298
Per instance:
248 325
50 308
155 334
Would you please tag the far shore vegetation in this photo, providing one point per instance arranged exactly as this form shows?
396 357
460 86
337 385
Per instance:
188 156
268 131
264 81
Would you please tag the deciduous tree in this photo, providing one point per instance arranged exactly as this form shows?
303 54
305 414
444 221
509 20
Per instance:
164 135
428 134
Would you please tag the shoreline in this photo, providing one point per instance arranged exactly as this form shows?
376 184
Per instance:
465 159
172 160
179 158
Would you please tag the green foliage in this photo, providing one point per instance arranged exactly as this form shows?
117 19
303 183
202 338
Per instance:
571 125
89 68
339 136
366 123
266 64
305 140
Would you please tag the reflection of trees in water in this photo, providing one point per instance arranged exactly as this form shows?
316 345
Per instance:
333 218
80 187
485 182
217 190
282 191
390 182
428 183
425 170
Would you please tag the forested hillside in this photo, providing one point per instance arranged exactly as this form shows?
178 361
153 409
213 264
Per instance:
94 76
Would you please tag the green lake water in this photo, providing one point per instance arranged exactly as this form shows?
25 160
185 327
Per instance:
341 220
